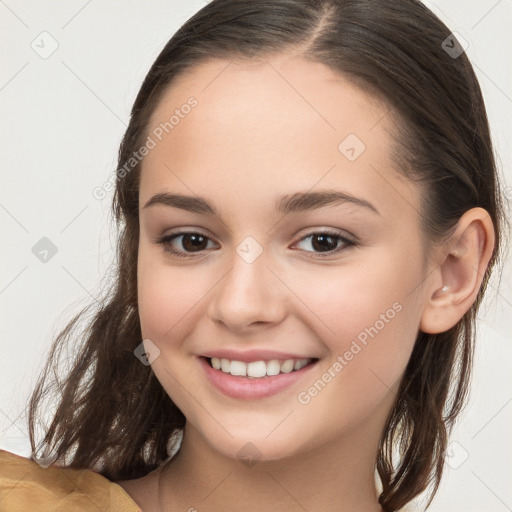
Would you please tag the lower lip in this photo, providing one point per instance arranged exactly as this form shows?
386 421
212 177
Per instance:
243 387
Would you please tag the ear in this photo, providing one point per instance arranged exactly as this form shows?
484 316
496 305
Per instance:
461 265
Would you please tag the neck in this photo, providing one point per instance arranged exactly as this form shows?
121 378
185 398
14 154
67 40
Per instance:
336 476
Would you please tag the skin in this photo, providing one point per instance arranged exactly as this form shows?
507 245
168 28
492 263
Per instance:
262 130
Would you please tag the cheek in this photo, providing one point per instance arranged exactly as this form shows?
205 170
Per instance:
169 298
373 314
361 379
373 292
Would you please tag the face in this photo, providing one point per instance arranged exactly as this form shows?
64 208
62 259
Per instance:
302 242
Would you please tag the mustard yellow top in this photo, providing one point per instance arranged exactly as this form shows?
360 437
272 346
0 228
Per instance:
26 486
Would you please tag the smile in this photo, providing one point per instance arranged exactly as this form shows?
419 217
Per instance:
254 379
257 369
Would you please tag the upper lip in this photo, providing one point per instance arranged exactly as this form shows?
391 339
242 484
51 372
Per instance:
248 356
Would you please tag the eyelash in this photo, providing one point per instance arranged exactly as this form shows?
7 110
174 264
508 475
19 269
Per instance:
165 242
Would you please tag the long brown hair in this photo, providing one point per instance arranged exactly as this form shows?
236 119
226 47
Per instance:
112 413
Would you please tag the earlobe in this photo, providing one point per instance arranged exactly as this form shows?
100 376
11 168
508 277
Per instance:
460 271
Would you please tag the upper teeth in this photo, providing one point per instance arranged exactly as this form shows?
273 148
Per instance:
258 368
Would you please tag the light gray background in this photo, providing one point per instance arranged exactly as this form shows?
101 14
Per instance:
62 118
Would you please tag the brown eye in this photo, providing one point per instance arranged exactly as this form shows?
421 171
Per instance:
325 244
194 242
185 244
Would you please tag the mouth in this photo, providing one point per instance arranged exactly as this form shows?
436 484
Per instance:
255 379
258 369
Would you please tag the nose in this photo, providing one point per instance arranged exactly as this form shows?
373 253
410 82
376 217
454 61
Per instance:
250 295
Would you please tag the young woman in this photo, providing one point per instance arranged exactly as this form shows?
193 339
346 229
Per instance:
309 214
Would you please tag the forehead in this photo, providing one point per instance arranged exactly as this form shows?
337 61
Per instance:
272 127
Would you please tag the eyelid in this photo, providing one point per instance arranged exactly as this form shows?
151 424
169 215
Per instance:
183 231
345 235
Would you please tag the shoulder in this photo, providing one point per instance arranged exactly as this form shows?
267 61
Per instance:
24 485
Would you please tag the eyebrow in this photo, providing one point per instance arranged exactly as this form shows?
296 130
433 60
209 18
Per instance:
294 203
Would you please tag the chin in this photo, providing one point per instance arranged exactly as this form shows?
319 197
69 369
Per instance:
260 443
250 451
